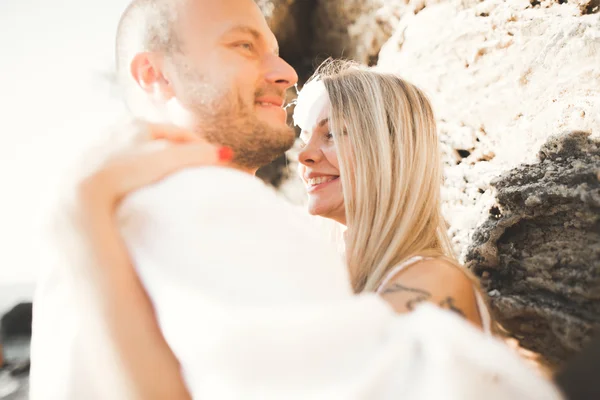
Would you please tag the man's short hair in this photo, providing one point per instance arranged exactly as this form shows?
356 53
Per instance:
146 25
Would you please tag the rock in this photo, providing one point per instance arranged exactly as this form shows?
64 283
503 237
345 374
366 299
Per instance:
12 388
290 22
539 249
578 379
278 14
15 335
503 77
354 29
21 368
17 322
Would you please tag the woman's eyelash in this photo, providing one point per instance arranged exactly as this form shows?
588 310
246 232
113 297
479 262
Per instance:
302 144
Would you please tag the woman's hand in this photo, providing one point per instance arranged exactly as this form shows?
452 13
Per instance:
169 150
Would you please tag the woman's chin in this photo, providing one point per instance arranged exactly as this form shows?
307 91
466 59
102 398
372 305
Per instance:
328 211
313 211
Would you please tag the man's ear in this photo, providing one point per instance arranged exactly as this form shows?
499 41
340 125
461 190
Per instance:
147 71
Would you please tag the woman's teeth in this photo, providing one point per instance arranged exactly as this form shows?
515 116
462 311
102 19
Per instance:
320 180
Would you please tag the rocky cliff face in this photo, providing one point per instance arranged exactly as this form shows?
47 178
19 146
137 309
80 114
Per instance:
538 252
507 78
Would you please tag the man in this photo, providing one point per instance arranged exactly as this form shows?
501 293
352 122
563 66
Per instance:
214 68
251 300
209 66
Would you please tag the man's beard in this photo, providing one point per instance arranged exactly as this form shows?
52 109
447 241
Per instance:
254 143
224 119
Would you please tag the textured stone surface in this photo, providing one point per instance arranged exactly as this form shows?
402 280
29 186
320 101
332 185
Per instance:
354 29
290 21
503 76
538 253
17 322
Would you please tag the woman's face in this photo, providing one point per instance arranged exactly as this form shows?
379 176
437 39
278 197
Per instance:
319 167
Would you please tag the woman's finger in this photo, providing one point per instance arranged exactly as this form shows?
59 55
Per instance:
147 164
154 165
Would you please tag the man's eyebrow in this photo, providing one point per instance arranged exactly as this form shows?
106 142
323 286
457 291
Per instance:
251 31
244 29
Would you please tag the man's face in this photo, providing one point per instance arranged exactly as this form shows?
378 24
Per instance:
228 75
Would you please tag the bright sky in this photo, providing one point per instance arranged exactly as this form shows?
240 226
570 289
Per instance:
54 99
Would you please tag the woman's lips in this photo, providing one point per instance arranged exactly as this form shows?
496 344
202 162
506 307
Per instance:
317 183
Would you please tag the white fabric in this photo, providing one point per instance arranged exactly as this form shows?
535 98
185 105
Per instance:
257 305
482 308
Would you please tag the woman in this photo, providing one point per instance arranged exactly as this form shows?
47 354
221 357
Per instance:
370 160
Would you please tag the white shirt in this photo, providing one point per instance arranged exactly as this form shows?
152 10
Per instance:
256 304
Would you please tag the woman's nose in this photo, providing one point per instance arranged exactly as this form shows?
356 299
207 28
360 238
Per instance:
310 154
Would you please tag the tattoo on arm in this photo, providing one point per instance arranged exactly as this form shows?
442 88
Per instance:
448 304
422 296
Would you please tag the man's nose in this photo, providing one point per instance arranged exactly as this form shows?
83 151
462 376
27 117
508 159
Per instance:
280 73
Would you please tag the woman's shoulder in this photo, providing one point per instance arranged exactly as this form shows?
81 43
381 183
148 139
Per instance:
432 280
426 269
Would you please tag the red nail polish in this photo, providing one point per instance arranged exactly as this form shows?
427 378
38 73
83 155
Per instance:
225 154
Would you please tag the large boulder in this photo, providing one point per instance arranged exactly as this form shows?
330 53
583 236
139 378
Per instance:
17 321
538 253
503 78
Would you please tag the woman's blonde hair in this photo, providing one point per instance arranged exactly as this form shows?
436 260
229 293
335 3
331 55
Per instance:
391 170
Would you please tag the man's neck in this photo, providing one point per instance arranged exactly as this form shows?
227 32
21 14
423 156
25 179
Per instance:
186 121
251 171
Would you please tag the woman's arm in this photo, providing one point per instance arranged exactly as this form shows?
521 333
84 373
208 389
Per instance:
433 281
152 366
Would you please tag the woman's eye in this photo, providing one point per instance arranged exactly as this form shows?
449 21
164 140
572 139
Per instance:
329 135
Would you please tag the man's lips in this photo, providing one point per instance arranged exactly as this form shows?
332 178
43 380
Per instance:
270 101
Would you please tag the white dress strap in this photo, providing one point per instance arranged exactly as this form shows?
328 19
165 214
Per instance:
484 313
394 271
